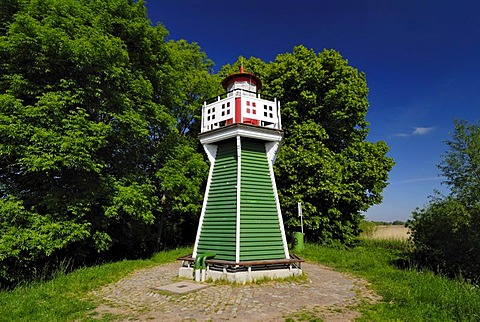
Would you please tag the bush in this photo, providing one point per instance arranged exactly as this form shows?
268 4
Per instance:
446 231
367 228
27 239
446 236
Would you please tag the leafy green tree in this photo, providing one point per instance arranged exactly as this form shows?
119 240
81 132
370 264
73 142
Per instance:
251 65
9 8
461 164
446 231
186 83
94 109
325 161
322 88
181 183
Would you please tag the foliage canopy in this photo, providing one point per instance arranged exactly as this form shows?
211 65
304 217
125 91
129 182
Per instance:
97 132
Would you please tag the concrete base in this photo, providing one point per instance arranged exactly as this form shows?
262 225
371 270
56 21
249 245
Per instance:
186 272
240 277
251 276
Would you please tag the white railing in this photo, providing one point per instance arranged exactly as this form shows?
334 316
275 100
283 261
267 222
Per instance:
253 110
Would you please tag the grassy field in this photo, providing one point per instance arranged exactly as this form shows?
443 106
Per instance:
407 294
65 298
390 232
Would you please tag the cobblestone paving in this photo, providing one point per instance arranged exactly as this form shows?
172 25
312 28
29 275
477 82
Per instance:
327 294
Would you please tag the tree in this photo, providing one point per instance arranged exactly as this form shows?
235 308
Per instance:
325 161
93 113
181 170
461 164
186 83
9 8
322 88
251 65
446 231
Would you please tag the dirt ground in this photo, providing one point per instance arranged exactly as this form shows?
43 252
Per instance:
391 232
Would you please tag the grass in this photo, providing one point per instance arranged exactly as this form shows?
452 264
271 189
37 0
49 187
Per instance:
65 298
303 315
408 294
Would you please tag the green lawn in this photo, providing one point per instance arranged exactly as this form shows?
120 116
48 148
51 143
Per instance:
65 298
408 295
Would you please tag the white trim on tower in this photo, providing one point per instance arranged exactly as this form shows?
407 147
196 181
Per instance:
277 201
239 182
211 152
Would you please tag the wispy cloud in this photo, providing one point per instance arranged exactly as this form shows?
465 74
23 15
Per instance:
413 180
416 131
422 130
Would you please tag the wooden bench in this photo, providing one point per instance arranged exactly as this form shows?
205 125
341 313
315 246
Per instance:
294 260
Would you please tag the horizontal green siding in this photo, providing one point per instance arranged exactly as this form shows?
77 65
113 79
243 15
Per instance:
260 234
219 223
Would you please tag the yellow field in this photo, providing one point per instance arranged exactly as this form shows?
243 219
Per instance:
391 232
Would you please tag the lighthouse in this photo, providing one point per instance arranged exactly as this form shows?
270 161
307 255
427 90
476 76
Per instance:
240 234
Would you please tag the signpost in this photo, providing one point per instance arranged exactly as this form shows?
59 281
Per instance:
301 215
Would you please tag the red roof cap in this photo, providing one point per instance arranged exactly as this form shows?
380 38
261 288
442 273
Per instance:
242 77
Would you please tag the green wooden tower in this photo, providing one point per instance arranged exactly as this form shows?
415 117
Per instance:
241 224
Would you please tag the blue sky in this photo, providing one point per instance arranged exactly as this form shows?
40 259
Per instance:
421 59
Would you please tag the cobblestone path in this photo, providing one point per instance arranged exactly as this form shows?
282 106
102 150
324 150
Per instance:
326 294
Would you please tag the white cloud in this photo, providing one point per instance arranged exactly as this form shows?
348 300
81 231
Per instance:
413 180
422 130
416 131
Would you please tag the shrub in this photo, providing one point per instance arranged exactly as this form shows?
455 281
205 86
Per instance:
367 228
446 231
446 236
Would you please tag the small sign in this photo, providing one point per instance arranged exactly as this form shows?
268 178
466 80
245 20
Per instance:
300 213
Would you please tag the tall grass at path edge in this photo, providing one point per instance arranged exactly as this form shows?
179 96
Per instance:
65 297
407 293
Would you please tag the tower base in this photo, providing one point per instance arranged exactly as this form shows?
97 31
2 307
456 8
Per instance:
241 273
